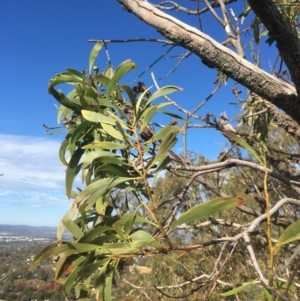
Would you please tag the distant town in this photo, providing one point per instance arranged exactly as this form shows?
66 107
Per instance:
13 233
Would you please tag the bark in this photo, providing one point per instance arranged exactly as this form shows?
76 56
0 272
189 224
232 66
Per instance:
279 93
281 31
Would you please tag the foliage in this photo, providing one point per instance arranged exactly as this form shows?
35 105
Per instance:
221 228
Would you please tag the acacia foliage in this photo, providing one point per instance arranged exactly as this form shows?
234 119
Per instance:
209 217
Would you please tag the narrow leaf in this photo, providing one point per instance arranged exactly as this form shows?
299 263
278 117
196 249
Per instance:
207 209
105 145
239 289
97 117
163 91
73 228
242 142
94 54
289 235
73 169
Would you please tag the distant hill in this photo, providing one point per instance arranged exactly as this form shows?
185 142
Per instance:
23 230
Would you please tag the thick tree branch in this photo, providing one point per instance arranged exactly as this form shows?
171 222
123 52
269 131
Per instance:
281 31
278 92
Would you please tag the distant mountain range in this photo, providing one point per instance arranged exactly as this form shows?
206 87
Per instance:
23 230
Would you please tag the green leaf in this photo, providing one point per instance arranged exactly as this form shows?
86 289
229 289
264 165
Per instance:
105 145
63 78
114 170
162 133
76 73
147 114
207 209
111 131
70 281
120 232
97 117
240 288
143 239
94 54
91 268
102 79
90 156
95 232
121 70
61 109
100 282
137 220
108 286
171 114
73 228
131 95
289 235
43 255
138 104
117 248
63 250
130 221
163 162
163 91
168 142
100 188
242 143
73 169
79 131
70 214
62 152
61 98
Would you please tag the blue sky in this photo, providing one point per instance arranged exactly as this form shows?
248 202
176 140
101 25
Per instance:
42 38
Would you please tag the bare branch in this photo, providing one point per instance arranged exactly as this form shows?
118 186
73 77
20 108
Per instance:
132 40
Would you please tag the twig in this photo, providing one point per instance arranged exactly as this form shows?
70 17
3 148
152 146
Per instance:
151 65
132 40
186 55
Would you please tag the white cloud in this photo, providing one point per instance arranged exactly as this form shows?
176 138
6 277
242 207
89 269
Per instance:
32 172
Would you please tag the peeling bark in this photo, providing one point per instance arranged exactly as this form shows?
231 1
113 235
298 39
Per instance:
280 93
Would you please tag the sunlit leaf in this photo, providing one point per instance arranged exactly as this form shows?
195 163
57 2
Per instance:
69 215
76 73
63 78
110 130
163 91
105 145
142 239
137 220
97 117
290 234
94 54
121 70
207 209
62 152
147 114
240 288
90 156
168 142
73 228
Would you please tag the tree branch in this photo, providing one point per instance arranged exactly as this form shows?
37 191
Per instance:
278 92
